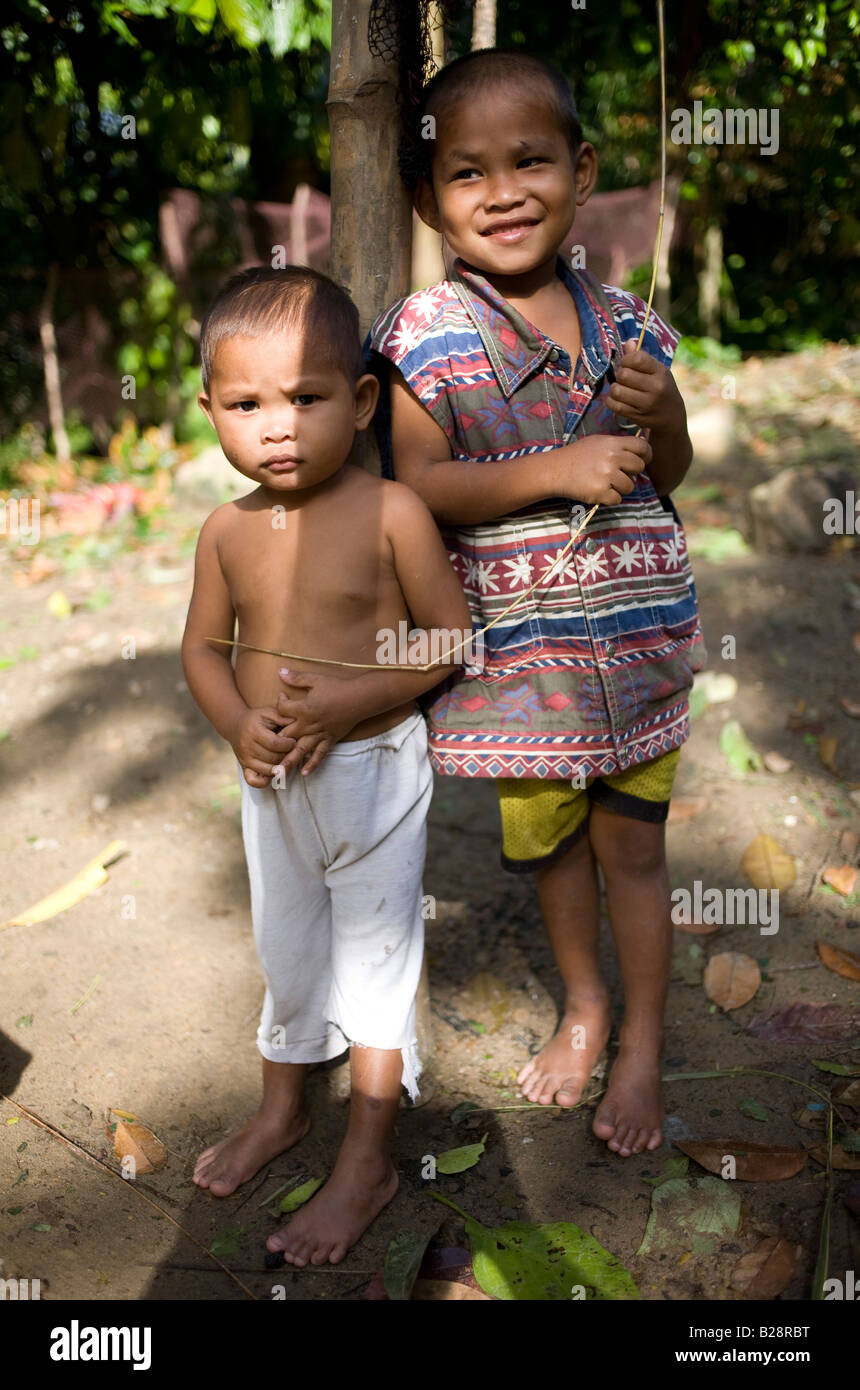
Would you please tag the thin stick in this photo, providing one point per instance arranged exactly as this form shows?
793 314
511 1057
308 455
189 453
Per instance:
823 1258
85 1153
84 997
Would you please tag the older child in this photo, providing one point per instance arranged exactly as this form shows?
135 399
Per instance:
323 559
515 384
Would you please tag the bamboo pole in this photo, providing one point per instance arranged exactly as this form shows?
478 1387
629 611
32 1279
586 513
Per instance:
428 265
484 24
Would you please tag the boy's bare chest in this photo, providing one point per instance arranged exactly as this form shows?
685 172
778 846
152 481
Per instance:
291 569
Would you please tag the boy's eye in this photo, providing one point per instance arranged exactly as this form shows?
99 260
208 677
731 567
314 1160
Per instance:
240 406
305 398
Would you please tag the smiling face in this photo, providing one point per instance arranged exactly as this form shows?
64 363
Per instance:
505 189
284 417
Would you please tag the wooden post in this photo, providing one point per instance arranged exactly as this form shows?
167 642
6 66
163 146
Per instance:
371 231
371 215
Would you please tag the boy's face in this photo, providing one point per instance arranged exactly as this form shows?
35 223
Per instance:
505 191
284 418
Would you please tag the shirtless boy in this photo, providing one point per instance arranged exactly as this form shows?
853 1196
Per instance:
323 559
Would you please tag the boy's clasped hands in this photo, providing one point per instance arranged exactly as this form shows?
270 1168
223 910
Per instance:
319 718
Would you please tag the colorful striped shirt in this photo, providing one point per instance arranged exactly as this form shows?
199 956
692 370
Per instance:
589 674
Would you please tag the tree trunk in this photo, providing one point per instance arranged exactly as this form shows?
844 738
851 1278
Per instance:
52 367
484 24
709 281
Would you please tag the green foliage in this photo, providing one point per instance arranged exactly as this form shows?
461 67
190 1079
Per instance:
790 224
105 107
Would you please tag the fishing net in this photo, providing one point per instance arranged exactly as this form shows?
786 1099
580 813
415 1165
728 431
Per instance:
401 31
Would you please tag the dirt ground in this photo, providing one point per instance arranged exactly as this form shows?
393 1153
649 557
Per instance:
145 995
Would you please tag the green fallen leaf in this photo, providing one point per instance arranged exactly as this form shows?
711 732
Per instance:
403 1261
14 1211
686 1207
698 703
458 1160
542 1262
300 1195
837 1068
461 1111
227 1242
849 1141
753 1109
39 1226
25 1021
675 1167
738 750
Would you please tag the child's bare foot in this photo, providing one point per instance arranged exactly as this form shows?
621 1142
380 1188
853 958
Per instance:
630 1116
225 1166
340 1213
562 1068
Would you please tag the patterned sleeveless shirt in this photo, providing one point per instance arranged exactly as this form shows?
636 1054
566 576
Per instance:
590 674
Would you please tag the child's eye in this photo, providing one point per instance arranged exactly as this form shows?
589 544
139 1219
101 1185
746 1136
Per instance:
534 159
240 406
306 397
464 173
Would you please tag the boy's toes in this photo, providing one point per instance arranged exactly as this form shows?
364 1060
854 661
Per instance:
605 1123
640 1141
655 1140
567 1095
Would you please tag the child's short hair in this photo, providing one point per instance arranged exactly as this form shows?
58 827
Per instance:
296 299
482 68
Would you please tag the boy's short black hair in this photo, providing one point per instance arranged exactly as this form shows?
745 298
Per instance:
478 70
295 299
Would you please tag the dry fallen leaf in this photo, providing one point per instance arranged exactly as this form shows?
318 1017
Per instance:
839 961
753 1162
841 878
843 1159
685 807
827 746
731 979
765 1271
439 1290
851 707
775 762
91 877
767 865
139 1143
802 1022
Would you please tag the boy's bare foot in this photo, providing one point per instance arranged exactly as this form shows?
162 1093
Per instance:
630 1115
226 1165
340 1213
561 1069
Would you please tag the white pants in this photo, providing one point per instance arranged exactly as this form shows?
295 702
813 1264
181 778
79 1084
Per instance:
335 862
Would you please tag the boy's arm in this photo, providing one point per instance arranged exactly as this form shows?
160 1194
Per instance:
596 469
437 606
209 670
645 392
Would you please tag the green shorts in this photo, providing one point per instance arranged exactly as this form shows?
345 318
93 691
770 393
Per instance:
542 820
